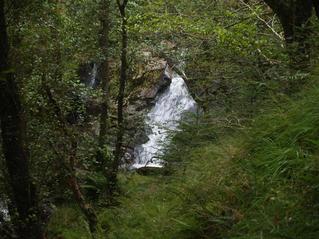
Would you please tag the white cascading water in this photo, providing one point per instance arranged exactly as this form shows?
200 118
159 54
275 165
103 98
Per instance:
163 119
92 77
4 211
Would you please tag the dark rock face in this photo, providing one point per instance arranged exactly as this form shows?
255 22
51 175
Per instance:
150 85
154 84
151 80
84 72
89 74
151 93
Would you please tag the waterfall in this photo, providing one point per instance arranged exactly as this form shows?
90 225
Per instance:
163 119
4 212
92 77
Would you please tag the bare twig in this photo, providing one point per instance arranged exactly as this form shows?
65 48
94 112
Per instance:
263 20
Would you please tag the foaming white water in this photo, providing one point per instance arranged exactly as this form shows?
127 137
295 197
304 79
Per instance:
4 211
163 119
93 74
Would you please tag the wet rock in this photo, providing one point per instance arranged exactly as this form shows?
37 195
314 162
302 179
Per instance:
162 83
47 208
128 157
88 74
149 171
150 94
141 137
152 84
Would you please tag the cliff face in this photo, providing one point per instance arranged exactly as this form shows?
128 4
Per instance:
150 83
152 76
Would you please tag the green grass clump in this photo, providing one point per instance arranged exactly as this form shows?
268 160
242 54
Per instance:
198 198
283 163
68 222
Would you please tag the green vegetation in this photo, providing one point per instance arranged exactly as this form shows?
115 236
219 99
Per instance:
73 77
258 180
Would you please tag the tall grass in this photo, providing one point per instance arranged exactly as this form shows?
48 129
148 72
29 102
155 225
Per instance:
230 179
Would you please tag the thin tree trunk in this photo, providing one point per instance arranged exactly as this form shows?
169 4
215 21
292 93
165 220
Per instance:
68 163
105 79
294 16
104 71
86 208
120 104
316 5
13 131
69 166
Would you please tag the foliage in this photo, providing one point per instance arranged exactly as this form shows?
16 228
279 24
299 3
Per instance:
245 167
252 181
71 224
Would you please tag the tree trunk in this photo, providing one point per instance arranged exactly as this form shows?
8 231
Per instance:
69 166
105 79
73 183
120 103
13 142
294 16
316 5
68 162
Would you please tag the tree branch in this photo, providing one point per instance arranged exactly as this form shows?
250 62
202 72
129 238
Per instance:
263 20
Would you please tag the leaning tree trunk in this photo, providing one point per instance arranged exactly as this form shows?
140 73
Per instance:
74 185
13 142
69 165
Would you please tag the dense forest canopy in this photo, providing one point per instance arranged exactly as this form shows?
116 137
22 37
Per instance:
159 119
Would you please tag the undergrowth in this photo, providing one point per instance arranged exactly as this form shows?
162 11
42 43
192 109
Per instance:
229 180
